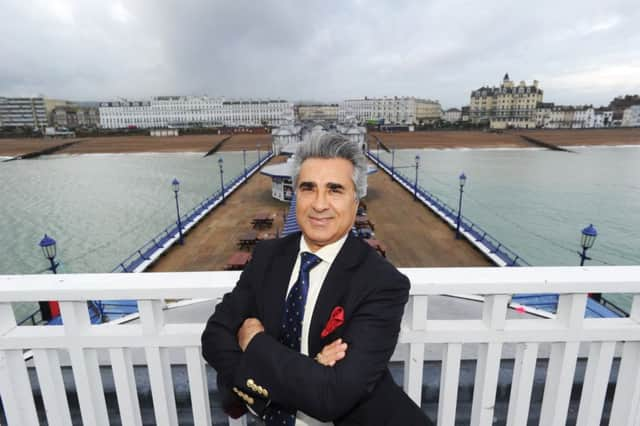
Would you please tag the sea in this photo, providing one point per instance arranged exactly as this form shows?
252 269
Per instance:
100 208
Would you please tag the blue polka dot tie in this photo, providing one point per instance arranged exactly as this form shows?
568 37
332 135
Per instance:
291 329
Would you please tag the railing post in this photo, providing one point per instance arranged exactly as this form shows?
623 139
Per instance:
524 368
164 402
416 317
84 362
625 410
448 397
562 362
596 380
52 388
198 387
494 312
15 387
126 391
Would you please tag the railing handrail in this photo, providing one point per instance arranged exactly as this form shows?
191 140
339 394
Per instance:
425 281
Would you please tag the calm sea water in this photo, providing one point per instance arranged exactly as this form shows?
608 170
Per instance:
538 201
100 208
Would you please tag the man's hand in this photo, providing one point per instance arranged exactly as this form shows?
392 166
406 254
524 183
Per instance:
250 327
332 353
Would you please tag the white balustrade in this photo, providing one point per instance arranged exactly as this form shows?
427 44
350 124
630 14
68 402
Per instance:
86 347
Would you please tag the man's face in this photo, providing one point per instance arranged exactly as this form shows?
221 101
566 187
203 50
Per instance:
326 202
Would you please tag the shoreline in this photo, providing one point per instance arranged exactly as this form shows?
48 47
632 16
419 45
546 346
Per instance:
436 140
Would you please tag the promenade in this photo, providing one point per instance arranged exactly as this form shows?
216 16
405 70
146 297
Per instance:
412 234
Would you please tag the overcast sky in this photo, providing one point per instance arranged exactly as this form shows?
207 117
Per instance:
581 51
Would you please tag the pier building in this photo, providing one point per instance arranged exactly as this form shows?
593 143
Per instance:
317 112
194 111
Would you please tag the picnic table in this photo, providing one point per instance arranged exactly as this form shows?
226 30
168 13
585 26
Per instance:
363 222
378 246
262 220
266 236
248 240
237 261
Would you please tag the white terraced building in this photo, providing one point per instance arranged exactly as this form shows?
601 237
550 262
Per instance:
194 111
396 110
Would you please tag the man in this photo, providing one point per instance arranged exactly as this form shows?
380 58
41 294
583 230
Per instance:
306 335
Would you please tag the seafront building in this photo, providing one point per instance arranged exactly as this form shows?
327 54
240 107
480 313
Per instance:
631 116
23 112
194 111
73 116
506 106
452 115
551 116
317 112
396 110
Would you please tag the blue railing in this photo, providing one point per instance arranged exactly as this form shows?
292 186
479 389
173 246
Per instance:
168 235
481 237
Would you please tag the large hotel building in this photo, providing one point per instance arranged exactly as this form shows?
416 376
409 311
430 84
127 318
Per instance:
506 106
396 110
23 112
192 111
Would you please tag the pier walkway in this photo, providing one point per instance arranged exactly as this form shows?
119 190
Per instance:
413 235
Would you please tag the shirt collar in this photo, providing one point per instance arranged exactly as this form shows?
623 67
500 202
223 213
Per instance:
327 253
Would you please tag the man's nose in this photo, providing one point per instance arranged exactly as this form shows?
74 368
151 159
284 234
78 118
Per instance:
320 202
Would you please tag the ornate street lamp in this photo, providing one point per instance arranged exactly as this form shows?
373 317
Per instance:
48 246
415 183
220 165
462 179
176 189
393 160
244 162
589 235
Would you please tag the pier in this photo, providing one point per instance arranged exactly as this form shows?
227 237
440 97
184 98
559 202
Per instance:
393 211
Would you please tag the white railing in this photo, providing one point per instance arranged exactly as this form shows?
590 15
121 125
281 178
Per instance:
88 346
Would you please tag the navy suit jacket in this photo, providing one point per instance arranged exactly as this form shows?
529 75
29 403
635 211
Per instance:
359 389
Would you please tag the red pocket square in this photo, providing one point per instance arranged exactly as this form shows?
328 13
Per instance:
335 320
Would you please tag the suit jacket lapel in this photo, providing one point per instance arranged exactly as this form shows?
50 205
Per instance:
335 285
276 283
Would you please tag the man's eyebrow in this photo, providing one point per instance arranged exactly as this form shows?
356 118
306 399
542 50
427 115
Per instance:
332 185
307 184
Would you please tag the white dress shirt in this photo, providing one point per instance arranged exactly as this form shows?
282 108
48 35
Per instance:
317 275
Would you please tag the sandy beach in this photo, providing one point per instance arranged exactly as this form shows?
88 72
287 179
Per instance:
401 140
506 139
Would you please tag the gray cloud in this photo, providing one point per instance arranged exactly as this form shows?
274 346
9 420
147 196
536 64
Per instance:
580 51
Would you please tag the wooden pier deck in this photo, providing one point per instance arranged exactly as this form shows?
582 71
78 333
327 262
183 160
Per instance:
413 236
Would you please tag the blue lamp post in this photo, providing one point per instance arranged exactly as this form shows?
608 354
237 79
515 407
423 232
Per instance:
48 246
393 160
589 235
378 149
462 179
244 162
258 148
415 183
176 189
220 164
